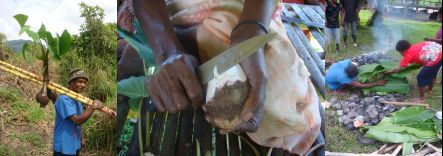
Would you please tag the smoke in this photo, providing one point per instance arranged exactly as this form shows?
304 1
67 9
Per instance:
386 36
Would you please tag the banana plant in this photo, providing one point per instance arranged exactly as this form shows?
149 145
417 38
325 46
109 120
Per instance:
48 44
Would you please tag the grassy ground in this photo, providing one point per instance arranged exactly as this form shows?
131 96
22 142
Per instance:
341 140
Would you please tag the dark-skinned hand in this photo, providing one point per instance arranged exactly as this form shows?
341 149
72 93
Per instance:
255 70
176 85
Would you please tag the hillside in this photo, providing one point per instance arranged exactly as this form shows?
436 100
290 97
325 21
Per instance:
16 45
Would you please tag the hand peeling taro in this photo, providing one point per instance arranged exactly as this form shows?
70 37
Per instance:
226 95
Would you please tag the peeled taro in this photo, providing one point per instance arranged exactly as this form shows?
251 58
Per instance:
225 97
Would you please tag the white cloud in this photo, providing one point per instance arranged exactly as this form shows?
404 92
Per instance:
57 15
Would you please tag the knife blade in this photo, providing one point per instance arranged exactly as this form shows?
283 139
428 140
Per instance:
232 56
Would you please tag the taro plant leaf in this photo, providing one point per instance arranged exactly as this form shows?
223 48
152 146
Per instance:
407 148
64 43
51 43
139 42
33 35
25 49
392 85
26 53
21 19
42 31
23 29
132 87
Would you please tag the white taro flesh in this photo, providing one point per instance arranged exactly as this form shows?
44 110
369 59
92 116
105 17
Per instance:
225 96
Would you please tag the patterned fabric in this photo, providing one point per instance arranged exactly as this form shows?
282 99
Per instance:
423 53
291 117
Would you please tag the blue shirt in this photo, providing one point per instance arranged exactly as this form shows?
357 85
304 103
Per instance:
67 135
336 76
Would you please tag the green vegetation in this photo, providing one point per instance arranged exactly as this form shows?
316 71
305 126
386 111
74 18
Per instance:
94 51
338 138
57 45
396 83
34 138
125 137
409 126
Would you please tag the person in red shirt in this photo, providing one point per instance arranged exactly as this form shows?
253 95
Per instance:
427 54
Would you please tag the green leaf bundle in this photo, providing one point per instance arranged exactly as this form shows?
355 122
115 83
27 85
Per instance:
396 83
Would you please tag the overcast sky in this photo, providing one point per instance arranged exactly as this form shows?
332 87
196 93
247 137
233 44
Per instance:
57 15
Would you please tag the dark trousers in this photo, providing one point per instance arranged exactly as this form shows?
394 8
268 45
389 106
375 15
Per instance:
77 153
353 26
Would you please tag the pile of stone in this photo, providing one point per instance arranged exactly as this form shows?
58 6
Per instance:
371 108
371 58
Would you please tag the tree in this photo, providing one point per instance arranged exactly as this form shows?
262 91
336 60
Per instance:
94 37
4 50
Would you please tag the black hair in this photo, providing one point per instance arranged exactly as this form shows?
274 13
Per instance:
352 70
402 45
439 11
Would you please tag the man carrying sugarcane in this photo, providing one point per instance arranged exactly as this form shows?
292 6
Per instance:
70 115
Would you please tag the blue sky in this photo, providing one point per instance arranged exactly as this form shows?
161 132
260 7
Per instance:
57 15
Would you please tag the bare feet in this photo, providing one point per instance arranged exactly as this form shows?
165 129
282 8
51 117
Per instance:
429 90
419 100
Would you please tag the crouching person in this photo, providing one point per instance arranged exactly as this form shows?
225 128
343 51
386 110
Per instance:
344 74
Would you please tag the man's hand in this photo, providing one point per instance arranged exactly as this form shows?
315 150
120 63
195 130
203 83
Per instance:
176 85
97 104
254 68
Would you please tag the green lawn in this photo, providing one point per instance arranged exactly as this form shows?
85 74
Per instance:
341 140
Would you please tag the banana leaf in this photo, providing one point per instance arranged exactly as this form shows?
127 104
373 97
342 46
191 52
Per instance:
395 82
403 72
407 148
396 85
410 125
368 72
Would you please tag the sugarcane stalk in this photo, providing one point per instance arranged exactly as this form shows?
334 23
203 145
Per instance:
51 85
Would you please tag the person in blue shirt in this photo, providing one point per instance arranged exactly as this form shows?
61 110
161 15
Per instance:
344 73
70 115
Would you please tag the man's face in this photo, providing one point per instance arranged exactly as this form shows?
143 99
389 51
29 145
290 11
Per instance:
78 85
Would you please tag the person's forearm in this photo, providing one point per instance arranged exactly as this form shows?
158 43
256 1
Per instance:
153 17
363 85
78 120
261 11
371 84
392 71
256 10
